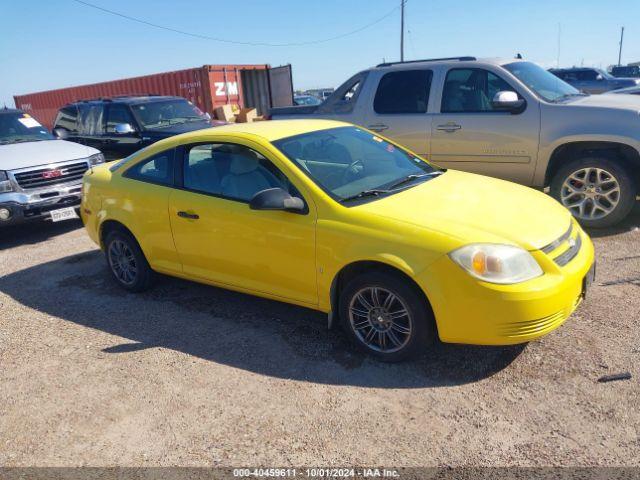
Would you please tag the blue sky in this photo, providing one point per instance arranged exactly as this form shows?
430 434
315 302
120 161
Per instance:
50 44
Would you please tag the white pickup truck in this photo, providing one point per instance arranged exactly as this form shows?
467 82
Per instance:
504 118
40 176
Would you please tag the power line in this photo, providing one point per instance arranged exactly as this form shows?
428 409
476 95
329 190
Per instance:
237 42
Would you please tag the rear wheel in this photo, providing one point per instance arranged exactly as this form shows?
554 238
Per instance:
597 191
385 316
126 261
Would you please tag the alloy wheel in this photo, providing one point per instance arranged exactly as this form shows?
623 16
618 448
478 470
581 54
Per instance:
380 319
590 193
122 262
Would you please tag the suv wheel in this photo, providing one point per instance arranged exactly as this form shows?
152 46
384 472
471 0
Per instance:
597 191
385 317
126 261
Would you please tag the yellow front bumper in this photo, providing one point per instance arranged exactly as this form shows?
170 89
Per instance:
470 311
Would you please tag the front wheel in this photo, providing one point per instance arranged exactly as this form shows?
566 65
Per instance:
597 191
385 316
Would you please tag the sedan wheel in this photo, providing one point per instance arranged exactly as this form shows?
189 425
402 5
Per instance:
380 319
122 262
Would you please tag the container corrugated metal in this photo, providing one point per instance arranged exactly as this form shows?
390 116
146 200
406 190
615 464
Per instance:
207 87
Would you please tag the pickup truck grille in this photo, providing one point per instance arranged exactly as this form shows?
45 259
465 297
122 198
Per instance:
45 177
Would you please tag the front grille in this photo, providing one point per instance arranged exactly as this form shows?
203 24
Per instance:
529 327
572 239
45 177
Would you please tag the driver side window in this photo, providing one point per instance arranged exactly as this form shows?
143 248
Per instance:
471 90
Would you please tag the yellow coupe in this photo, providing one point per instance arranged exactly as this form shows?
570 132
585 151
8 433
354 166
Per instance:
336 218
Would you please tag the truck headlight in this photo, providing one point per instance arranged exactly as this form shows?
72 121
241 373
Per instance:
5 184
496 263
96 159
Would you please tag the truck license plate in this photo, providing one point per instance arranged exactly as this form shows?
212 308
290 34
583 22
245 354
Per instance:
63 214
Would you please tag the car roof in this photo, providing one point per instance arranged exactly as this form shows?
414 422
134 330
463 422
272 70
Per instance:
271 130
10 110
130 99
447 61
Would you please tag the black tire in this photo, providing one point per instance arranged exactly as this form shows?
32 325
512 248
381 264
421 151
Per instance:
627 186
421 321
143 277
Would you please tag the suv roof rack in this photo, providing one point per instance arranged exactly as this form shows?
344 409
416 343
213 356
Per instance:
460 59
113 97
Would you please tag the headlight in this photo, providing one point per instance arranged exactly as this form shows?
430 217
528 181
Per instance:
497 263
5 184
96 159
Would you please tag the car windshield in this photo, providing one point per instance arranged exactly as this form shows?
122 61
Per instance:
152 115
543 83
19 127
350 163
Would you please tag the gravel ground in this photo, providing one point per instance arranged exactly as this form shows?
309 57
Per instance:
192 375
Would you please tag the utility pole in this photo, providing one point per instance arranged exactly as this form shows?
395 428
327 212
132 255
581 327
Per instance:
620 51
402 30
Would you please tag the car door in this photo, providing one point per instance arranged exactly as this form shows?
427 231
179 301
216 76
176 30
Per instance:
469 134
399 108
120 145
220 239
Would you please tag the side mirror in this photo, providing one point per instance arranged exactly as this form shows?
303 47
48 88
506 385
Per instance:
123 129
599 77
60 133
276 199
506 100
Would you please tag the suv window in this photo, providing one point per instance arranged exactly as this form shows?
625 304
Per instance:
230 171
471 90
117 114
587 75
157 169
90 119
67 118
404 91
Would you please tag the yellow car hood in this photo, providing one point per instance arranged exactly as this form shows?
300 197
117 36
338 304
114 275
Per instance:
475 208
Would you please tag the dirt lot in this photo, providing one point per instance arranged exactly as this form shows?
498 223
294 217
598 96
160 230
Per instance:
192 375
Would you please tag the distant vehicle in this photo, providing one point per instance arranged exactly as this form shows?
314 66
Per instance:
592 80
505 118
335 218
628 91
40 176
306 100
120 126
630 71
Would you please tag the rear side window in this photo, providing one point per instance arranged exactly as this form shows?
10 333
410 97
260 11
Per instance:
116 115
405 91
90 120
157 169
67 118
587 75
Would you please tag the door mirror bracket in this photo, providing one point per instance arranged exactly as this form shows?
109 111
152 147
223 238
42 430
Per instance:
277 199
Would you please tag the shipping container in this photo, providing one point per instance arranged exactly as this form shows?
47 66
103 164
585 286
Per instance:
208 87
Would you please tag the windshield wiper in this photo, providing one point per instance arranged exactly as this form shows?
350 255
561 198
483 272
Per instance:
570 95
364 193
20 140
410 178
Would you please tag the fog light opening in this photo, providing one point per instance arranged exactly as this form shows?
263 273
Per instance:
5 214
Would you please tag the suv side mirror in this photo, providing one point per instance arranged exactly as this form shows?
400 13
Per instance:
123 129
599 77
276 199
60 133
506 100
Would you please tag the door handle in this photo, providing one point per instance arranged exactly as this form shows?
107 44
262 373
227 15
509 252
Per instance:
449 127
378 127
191 216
